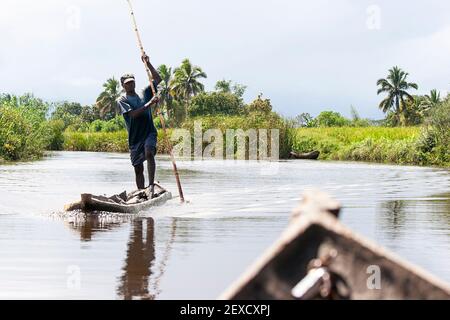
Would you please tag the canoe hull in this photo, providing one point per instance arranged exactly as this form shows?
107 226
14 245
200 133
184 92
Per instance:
91 203
314 155
355 268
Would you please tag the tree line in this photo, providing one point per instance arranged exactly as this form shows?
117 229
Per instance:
183 95
400 106
30 125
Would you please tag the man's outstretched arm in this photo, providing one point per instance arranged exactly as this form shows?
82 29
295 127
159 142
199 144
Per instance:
138 112
155 75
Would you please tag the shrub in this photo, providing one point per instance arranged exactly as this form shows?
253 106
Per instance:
115 124
435 135
259 105
331 119
96 126
54 133
22 135
68 112
254 120
215 103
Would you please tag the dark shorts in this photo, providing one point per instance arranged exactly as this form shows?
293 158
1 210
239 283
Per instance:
137 151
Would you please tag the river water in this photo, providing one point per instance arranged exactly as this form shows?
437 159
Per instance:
236 210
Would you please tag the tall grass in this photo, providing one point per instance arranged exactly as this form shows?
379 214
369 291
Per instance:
96 141
117 141
105 141
375 144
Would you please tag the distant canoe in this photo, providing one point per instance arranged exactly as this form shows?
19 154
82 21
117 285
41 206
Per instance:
317 257
121 203
313 155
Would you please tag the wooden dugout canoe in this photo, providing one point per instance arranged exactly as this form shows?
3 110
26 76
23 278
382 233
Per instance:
117 203
317 257
313 155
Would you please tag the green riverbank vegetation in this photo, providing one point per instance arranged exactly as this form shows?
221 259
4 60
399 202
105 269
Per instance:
415 130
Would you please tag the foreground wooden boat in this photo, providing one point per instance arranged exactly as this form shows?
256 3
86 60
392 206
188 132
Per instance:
313 155
317 257
121 203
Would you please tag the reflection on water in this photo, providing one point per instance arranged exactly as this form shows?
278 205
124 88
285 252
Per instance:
432 212
140 267
194 251
393 214
165 257
134 283
419 229
440 210
89 224
140 254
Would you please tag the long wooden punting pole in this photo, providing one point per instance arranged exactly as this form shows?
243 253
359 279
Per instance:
163 123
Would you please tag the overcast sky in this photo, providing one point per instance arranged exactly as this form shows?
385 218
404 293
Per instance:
306 56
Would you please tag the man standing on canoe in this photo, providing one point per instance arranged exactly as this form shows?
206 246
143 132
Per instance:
142 134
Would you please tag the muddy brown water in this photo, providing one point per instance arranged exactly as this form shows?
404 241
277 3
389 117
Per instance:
194 251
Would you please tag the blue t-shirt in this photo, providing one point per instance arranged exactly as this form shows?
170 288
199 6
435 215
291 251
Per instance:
141 127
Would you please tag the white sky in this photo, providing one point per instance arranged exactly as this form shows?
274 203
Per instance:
306 56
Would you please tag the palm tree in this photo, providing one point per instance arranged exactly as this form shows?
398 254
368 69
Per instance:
430 101
395 86
166 97
185 83
107 100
